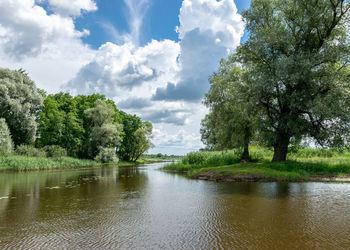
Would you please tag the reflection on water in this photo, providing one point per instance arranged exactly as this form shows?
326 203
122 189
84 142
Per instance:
141 207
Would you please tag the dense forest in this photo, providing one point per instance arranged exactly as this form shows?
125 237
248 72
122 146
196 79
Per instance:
85 126
288 84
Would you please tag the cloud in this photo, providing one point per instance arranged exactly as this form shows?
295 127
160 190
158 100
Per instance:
136 12
209 30
181 139
135 103
72 7
46 45
26 30
116 69
173 116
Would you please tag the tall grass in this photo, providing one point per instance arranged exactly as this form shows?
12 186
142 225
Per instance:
24 163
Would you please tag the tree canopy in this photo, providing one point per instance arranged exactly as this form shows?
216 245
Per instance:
232 118
297 59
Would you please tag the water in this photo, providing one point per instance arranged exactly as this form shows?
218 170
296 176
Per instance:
144 208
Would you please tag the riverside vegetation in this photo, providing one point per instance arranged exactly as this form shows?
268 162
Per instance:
40 131
302 165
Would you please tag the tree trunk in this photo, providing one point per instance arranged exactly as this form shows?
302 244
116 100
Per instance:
281 148
245 155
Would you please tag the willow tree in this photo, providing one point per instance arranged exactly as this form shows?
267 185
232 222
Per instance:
105 132
297 56
20 102
232 117
6 144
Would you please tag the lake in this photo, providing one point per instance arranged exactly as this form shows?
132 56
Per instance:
143 208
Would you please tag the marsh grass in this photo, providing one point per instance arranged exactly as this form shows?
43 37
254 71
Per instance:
25 163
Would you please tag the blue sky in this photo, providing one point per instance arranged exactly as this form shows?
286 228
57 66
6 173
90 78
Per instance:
152 57
159 23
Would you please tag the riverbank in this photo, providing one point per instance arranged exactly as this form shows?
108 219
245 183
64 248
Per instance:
26 163
261 173
226 166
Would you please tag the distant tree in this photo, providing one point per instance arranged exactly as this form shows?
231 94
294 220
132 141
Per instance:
20 103
143 137
6 145
297 58
232 117
59 124
105 132
131 123
84 102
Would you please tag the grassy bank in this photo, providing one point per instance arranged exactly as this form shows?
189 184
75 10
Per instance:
25 163
306 164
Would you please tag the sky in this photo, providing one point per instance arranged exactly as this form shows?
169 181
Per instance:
152 57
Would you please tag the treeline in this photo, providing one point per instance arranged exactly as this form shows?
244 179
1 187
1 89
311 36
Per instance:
288 84
84 126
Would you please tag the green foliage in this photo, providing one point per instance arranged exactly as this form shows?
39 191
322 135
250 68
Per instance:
55 151
143 138
29 150
6 144
20 102
105 132
136 138
59 124
232 118
107 155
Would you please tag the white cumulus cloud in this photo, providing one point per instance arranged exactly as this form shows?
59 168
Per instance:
209 30
72 7
117 70
48 46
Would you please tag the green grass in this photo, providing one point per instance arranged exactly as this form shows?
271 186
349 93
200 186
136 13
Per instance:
301 165
253 169
25 163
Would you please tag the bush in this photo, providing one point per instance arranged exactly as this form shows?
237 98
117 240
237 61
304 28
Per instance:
55 151
28 150
107 155
6 144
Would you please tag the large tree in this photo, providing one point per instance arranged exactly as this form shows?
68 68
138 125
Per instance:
232 117
137 135
297 56
143 137
59 124
20 102
105 132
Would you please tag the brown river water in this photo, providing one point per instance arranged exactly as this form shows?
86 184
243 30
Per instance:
144 208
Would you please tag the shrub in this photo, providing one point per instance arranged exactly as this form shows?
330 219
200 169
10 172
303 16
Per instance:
55 151
107 155
28 150
6 144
